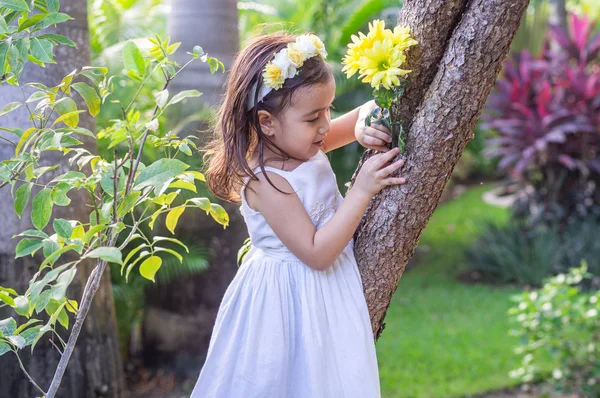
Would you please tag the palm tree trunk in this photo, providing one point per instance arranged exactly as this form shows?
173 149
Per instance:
558 13
95 369
192 302
461 48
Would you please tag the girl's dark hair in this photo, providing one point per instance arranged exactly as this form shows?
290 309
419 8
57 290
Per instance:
237 130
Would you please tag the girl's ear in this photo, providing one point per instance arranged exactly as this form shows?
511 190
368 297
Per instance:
266 121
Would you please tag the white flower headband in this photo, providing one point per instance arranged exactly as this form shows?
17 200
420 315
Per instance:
286 64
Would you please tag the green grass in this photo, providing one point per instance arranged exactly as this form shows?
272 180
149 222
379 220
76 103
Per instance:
444 338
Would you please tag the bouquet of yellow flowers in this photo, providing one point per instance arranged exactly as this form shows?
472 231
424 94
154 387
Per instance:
378 58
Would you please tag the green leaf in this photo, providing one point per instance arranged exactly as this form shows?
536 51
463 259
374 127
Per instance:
57 39
4 348
22 327
149 267
17 341
127 204
133 59
3 50
21 305
59 194
41 170
11 106
163 238
71 119
172 48
183 184
30 334
34 233
197 52
171 251
91 232
219 214
183 95
161 98
31 21
183 147
7 299
159 174
131 254
24 138
27 246
59 290
89 96
173 217
202 203
66 106
3 29
50 246
53 5
17 5
56 254
8 326
62 227
42 208
42 50
110 254
22 198
52 19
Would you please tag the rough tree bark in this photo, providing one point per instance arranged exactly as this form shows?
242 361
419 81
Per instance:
461 48
95 368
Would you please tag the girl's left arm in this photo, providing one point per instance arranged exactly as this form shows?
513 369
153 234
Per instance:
351 126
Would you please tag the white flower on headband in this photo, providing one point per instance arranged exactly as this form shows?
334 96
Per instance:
285 65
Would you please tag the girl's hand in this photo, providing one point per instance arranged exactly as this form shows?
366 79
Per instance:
375 136
374 173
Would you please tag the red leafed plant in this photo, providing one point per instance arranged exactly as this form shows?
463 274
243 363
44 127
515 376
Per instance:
546 113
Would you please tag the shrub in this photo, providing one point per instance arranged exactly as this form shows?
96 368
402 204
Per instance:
561 321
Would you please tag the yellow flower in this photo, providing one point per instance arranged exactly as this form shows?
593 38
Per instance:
273 76
377 30
380 65
296 55
318 45
378 55
401 37
355 52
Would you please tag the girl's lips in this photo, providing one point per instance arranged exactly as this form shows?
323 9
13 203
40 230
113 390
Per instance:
318 143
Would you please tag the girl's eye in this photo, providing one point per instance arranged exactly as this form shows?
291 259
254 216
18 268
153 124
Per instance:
317 118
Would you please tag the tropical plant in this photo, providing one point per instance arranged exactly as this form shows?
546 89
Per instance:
116 186
516 253
546 112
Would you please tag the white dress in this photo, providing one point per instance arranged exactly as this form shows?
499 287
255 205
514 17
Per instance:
285 330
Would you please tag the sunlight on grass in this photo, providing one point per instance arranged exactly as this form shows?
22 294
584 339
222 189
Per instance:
444 338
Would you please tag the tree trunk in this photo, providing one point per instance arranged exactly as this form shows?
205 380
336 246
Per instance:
95 368
558 13
192 302
461 48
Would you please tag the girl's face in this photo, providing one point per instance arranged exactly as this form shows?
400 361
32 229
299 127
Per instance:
302 127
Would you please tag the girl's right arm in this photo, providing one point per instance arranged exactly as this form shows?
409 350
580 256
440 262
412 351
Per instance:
285 214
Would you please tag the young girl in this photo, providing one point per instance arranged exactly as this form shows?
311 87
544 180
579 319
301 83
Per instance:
294 320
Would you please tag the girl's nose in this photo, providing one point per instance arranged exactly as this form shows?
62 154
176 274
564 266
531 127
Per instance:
325 128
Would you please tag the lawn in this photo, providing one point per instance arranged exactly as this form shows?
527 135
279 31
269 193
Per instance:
444 338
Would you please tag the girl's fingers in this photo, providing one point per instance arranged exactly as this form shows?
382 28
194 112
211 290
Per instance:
393 167
375 131
385 157
380 148
373 141
395 181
